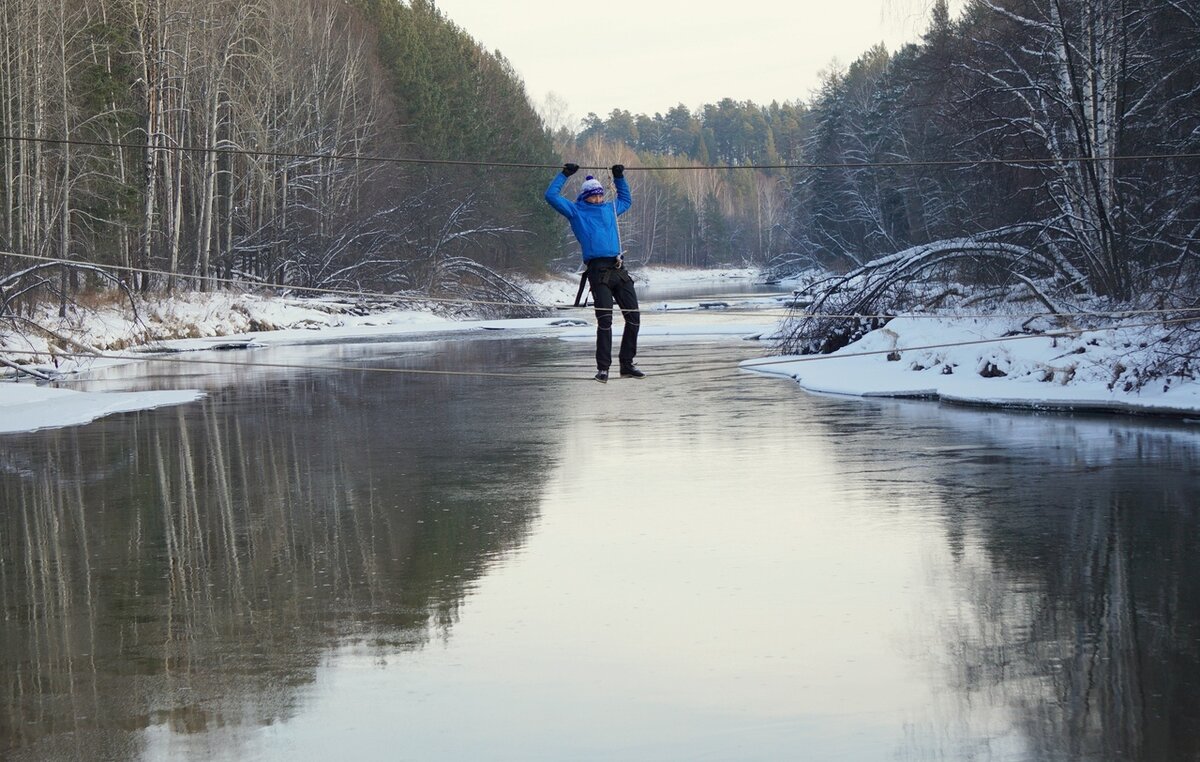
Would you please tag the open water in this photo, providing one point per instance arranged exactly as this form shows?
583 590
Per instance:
343 565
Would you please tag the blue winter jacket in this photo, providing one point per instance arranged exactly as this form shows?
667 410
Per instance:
595 225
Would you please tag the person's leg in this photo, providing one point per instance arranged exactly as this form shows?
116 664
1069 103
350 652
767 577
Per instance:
626 297
602 295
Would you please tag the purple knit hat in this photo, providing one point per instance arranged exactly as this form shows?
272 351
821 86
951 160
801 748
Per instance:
591 187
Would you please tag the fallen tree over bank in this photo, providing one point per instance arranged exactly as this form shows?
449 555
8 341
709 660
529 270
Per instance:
992 275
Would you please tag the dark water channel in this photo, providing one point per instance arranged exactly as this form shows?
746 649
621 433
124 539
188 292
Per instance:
319 565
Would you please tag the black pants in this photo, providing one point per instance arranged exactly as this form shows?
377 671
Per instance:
610 283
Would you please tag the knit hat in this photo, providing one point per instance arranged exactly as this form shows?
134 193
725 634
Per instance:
591 187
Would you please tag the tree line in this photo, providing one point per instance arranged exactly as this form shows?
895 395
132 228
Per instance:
1077 82
1080 90
1087 82
189 137
196 132
694 213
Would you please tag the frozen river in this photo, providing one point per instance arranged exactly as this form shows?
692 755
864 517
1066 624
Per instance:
345 565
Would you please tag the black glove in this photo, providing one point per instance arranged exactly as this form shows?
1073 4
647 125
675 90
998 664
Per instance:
618 170
570 169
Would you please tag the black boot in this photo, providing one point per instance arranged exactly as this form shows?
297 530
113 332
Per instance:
602 376
631 371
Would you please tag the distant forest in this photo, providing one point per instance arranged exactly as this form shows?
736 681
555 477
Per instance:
187 136
1083 80
276 84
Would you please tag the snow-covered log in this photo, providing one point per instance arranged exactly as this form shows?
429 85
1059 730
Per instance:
845 307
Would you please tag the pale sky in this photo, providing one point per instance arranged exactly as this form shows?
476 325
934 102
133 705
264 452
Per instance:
649 55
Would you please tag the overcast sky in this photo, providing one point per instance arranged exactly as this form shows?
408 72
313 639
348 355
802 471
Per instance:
649 55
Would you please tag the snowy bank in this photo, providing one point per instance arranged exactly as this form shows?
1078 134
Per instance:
188 322
1086 372
194 322
171 323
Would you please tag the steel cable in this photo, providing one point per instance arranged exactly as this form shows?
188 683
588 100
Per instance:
293 155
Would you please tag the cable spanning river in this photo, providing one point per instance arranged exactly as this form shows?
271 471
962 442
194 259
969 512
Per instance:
319 565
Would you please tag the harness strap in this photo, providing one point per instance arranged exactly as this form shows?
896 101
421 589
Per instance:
593 265
583 279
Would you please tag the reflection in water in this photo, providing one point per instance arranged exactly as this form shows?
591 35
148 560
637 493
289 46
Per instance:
204 569
190 567
1075 547
1099 598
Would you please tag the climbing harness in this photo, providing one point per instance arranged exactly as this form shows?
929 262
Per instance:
583 279
619 263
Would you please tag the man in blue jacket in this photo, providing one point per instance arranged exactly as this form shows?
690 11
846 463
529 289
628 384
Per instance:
594 224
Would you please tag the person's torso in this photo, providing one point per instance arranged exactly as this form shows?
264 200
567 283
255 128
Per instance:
595 225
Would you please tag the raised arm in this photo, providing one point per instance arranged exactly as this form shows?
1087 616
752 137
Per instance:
624 197
554 191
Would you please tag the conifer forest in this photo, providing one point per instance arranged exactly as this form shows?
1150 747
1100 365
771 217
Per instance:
1048 144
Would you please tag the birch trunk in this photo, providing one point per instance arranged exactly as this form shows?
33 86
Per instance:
36 208
9 33
65 214
151 51
204 247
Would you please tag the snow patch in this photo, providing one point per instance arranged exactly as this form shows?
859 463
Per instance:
26 407
1075 373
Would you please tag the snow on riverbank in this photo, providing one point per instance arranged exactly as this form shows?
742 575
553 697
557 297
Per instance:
1078 373
196 316
1084 372
197 322
188 322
